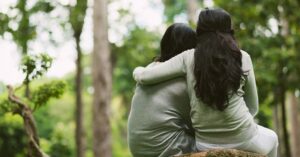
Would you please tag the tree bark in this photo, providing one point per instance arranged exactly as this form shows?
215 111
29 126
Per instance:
277 122
101 71
282 92
27 90
284 32
192 7
76 19
25 112
79 114
294 126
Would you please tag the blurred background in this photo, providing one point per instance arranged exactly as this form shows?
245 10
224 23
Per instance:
93 47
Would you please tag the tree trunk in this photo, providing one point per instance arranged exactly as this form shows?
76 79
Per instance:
192 7
277 123
24 32
76 19
294 126
284 32
79 114
27 90
101 71
25 112
282 92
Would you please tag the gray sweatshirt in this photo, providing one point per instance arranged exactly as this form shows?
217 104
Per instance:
159 124
233 125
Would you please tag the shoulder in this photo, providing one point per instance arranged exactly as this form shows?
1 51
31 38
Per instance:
152 64
189 52
246 61
245 54
188 55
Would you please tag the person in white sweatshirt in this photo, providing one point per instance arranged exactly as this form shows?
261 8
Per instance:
221 87
159 123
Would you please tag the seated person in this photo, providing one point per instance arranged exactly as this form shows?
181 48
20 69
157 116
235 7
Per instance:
159 122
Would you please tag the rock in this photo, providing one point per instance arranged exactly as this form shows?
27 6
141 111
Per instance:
223 153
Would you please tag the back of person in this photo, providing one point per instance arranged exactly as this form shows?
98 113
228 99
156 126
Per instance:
232 125
159 122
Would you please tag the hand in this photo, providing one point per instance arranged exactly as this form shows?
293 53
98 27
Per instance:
137 73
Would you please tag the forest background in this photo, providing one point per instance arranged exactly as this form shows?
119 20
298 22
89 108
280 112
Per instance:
91 48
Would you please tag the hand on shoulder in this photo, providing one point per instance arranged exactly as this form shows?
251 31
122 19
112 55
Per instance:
137 73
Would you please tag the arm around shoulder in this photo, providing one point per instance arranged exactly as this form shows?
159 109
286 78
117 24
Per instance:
174 67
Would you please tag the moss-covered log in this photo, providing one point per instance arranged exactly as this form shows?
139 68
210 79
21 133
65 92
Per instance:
223 153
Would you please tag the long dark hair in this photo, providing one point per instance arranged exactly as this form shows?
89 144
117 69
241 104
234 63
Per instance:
177 38
217 59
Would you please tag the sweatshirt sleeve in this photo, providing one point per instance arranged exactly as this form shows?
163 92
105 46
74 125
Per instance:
251 96
174 67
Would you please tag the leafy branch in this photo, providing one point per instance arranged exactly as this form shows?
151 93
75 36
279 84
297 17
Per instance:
34 67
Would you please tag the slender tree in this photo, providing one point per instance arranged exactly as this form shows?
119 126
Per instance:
102 77
192 7
282 83
294 125
24 30
77 15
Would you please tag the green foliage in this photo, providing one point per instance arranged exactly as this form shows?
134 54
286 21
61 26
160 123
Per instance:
275 55
41 6
139 48
119 128
25 31
77 16
6 105
61 141
45 92
12 135
173 8
60 149
56 112
4 19
35 66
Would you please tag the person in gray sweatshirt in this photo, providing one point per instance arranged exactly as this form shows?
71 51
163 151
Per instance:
221 87
159 123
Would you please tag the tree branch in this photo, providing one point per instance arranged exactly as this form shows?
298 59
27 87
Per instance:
30 128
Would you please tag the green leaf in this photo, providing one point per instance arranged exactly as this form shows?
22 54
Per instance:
45 92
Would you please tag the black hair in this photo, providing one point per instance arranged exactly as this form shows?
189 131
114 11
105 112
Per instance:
177 38
217 68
